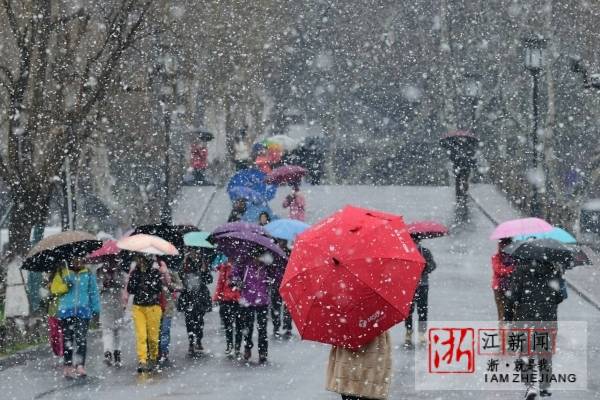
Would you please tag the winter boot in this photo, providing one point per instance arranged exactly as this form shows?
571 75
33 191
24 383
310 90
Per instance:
228 350
408 343
531 393
192 351
117 358
262 359
422 339
247 354
142 367
199 348
108 358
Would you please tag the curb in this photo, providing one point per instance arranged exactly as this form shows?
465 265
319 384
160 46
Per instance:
581 292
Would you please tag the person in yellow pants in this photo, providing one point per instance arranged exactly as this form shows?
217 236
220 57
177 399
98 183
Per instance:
145 284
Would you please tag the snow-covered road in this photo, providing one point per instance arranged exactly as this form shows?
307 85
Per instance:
459 290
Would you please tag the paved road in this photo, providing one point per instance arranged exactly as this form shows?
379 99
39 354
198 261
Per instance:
459 291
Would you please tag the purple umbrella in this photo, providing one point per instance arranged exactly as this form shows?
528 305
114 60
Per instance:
237 245
239 227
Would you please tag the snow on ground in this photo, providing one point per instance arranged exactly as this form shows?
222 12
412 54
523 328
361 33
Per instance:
460 290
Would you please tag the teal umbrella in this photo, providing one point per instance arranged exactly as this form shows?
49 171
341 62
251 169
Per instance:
556 233
286 229
198 239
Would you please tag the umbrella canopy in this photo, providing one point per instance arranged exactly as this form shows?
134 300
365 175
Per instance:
108 250
286 229
427 229
521 226
285 141
237 245
239 226
202 134
254 179
288 174
147 244
48 253
242 192
556 233
198 239
171 233
351 277
542 250
459 134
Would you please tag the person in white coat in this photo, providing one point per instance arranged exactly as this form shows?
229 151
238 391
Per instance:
112 285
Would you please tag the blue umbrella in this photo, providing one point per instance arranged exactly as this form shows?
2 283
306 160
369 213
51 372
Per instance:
242 192
254 179
556 233
286 229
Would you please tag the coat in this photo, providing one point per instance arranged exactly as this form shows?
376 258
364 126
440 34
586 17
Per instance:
145 286
223 290
195 296
112 285
366 372
502 268
430 265
254 279
535 292
82 300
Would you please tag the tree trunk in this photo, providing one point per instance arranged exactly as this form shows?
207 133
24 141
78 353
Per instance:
30 209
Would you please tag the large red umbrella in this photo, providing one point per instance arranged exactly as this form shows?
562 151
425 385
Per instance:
427 229
351 277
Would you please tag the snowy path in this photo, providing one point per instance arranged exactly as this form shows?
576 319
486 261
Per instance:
459 291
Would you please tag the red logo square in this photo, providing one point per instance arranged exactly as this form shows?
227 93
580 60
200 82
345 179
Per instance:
451 350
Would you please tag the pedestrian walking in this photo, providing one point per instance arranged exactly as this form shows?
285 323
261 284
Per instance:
421 297
502 268
228 299
112 284
279 311
145 284
169 296
536 292
251 276
194 300
296 203
78 302
361 374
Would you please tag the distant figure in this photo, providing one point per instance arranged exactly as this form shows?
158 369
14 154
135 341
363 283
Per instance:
502 266
421 298
199 162
296 203
264 218
241 150
362 374
238 209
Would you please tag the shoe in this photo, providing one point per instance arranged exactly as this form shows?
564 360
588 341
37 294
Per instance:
108 358
422 339
545 393
117 358
247 354
164 362
408 343
199 348
237 355
276 334
152 366
287 335
142 367
262 360
69 372
191 351
228 350
80 371
531 394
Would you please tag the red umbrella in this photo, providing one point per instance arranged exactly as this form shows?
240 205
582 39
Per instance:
427 229
286 174
351 277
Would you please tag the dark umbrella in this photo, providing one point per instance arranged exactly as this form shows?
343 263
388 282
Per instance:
203 134
51 251
236 245
543 251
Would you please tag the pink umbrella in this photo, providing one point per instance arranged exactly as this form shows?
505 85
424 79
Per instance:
427 229
108 250
148 244
286 174
521 226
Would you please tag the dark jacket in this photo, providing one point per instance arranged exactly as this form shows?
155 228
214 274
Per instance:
145 287
429 265
195 296
535 292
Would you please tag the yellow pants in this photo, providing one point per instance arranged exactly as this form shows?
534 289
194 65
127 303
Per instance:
146 320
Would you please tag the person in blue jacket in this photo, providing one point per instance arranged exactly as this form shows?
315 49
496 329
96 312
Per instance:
79 301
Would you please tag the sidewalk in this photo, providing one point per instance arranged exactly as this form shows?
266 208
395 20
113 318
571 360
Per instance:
584 280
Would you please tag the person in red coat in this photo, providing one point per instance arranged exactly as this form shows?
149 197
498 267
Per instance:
229 310
502 267
199 162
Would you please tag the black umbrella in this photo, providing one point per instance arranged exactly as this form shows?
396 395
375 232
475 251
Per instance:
542 250
203 134
50 259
